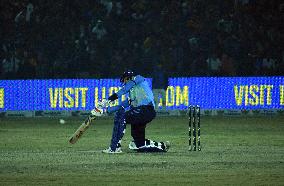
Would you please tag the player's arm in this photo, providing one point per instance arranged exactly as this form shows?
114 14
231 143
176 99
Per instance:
136 80
104 107
124 104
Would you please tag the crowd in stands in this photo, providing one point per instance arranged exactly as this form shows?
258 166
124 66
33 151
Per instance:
101 38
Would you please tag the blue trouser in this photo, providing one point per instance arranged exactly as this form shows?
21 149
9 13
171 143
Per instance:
118 129
138 117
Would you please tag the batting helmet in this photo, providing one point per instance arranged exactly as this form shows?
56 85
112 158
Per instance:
127 74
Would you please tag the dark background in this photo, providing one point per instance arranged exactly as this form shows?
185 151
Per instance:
157 38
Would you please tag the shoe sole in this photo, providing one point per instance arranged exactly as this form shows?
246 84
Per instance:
112 152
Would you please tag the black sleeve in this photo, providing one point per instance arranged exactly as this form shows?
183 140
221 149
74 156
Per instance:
113 97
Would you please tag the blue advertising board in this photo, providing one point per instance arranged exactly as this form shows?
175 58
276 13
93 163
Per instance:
226 92
83 94
64 94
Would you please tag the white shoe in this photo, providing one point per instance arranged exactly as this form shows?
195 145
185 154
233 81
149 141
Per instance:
167 145
109 151
132 146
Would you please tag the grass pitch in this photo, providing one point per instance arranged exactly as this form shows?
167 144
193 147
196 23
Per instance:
235 151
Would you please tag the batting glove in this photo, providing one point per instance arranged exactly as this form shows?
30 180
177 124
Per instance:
104 103
97 111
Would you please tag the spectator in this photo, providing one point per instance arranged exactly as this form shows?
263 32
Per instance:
30 9
69 31
214 65
99 30
227 66
10 66
160 83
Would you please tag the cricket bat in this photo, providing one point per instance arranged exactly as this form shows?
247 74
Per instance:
80 131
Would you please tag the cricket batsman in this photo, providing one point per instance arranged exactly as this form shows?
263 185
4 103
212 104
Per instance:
138 110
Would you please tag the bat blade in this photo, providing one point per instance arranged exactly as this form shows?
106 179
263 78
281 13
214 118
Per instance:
80 131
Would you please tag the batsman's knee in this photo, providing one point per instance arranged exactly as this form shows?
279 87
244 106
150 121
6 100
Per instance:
119 115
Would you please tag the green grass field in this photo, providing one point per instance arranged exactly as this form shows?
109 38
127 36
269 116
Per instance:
235 151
